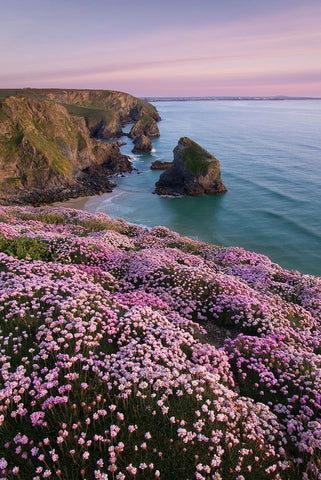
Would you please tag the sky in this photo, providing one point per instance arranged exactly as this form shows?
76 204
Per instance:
164 47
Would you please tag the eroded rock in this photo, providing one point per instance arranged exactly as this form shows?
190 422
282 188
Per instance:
195 171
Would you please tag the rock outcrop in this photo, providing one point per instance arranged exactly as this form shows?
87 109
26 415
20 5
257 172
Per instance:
46 154
195 171
158 165
142 144
145 126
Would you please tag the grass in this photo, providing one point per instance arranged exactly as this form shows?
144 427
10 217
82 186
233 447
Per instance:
92 113
90 224
57 161
8 92
195 162
146 119
25 247
8 148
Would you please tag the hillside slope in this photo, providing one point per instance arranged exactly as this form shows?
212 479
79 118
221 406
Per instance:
107 371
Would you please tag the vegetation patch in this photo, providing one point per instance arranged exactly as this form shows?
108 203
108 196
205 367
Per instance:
90 113
195 161
25 247
107 370
82 144
57 161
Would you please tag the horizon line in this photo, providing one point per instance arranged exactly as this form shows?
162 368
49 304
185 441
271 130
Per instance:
190 97
249 97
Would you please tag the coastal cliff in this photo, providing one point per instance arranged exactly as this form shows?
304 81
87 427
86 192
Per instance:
194 171
49 142
104 111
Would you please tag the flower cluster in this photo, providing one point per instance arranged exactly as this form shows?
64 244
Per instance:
106 371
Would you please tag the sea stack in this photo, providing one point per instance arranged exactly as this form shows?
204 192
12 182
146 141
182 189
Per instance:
146 125
195 171
142 144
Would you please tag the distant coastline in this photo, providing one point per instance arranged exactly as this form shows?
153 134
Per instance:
198 99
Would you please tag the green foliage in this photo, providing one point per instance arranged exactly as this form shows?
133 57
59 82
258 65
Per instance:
90 114
90 225
53 218
13 181
187 247
25 247
9 147
7 92
49 148
97 225
195 162
146 119
82 144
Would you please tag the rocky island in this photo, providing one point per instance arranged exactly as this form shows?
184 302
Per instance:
50 142
142 144
195 171
158 165
145 126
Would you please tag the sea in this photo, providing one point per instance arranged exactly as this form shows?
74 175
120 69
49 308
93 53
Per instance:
270 155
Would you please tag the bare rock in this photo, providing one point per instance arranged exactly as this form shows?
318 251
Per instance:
142 144
158 165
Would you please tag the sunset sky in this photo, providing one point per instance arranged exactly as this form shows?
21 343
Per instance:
177 47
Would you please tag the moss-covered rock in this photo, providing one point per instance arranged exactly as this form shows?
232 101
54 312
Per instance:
195 171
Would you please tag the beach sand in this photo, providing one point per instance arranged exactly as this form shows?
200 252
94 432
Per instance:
77 203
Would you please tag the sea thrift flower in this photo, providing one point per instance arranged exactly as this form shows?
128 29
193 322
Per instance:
100 351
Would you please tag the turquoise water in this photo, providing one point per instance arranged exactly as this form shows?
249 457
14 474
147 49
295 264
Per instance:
270 155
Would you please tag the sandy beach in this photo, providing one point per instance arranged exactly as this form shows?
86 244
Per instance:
78 203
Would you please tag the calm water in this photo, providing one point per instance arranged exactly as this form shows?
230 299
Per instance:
270 155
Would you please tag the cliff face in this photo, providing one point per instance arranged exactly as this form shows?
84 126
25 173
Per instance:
105 111
194 172
47 154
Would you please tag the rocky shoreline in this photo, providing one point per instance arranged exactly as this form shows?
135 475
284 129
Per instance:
87 186
94 180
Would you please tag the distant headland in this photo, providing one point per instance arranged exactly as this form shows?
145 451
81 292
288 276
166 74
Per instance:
223 98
